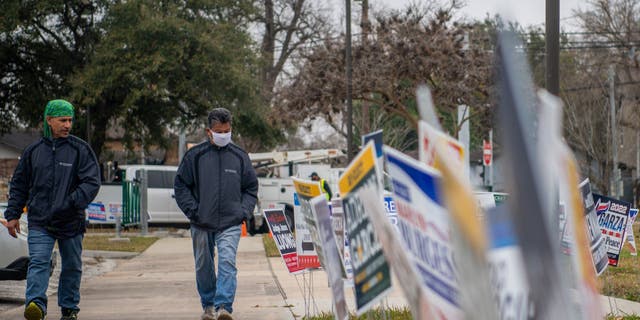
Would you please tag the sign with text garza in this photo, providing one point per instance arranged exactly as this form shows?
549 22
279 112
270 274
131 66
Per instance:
371 278
612 218
283 238
425 240
305 224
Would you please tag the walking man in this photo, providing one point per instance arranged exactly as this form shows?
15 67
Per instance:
216 188
56 178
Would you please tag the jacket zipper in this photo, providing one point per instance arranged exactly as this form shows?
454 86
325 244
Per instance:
53 178
219 184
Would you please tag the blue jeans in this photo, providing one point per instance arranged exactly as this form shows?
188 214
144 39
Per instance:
40 249
218 292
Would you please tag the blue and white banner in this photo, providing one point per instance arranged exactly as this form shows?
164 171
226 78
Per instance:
96 212
425 240
631 240
612 218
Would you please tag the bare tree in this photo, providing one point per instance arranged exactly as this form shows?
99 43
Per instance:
587 128
287 27
611 35
405 49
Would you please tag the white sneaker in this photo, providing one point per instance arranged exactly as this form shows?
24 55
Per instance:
223 314
208 314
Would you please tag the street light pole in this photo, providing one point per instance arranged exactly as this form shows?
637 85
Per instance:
552 43
614 133
349 83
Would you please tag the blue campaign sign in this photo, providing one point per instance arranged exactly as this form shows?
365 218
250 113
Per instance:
390 209
376 136
613 215
96 212
424 230
418 178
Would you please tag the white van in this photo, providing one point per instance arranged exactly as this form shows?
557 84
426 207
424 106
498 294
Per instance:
161 204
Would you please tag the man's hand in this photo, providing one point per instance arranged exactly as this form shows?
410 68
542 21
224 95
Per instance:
14 227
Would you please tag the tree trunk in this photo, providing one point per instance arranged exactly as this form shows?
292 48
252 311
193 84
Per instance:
99 128
268 51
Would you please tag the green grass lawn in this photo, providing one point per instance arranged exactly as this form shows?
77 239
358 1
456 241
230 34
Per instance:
101 242
622 282
270 247
376 314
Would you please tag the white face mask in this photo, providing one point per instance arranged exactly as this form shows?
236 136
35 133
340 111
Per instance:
221 139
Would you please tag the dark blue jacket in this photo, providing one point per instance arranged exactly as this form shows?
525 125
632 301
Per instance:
215 187
56 180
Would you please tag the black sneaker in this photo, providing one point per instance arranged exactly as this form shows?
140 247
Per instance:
33 312
69 314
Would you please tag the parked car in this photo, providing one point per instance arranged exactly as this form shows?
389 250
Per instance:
14 252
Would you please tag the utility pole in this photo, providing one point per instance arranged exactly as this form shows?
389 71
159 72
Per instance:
493 150
364 24
349 84
552 43
635 200
614 133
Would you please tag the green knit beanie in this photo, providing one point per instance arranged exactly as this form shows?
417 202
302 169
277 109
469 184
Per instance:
56 108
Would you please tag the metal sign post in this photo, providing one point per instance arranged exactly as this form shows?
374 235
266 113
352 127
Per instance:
144 198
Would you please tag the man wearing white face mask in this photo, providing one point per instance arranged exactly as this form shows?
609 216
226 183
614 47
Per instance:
216 188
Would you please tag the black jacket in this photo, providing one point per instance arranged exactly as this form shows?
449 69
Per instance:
215 187
56 180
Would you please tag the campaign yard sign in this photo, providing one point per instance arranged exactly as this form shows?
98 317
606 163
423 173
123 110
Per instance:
307 190
306 231
372 279
340 236
612 218
332 260
597 241
376 137
428 137
283 238
508 277
633 213
115 210
425 241
96 212
391 210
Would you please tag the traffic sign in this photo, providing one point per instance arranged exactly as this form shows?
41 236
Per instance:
487 153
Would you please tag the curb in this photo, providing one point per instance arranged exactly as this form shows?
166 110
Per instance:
109 254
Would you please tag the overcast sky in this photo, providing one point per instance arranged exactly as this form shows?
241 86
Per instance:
525 12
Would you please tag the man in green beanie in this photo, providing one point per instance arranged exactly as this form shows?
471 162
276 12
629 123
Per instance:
56 178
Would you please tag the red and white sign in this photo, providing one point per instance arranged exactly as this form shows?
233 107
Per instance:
487 153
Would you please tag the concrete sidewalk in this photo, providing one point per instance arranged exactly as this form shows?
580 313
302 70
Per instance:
160 284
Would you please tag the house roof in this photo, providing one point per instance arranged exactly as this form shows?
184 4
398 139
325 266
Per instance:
18 140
